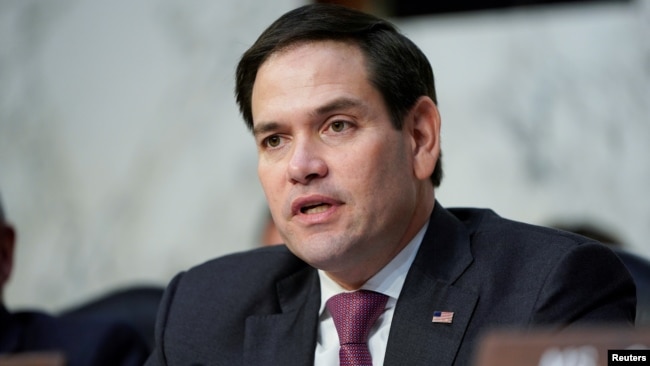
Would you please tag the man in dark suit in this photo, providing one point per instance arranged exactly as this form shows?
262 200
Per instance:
79 340
343 111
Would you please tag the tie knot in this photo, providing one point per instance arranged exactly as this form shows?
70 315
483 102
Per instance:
354 313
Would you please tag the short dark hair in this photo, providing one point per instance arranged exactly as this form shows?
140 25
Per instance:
396 66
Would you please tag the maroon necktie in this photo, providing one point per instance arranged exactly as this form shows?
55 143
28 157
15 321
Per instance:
354 313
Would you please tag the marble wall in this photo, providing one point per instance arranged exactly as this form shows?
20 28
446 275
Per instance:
123 159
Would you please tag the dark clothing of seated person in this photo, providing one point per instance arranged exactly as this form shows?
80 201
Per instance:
82 341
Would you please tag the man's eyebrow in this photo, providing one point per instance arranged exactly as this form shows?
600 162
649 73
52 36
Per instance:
338 104
265 127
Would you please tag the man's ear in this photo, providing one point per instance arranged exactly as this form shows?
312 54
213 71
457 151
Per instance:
7 243
424 128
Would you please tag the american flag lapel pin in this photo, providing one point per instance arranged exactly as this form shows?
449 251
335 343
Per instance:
445 317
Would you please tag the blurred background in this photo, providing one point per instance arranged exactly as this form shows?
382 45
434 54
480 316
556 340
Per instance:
124 160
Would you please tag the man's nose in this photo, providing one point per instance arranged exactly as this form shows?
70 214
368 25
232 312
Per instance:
306 163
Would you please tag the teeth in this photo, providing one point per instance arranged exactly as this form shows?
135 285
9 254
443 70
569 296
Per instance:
315 209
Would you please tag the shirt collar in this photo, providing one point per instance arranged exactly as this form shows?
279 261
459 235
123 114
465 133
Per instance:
388 281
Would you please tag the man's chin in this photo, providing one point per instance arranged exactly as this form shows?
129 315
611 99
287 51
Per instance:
329 262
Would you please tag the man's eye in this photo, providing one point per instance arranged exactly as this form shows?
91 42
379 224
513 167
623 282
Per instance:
272 141
338 126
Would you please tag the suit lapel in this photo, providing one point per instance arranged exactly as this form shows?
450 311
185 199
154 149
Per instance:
289 337
442 258
413 335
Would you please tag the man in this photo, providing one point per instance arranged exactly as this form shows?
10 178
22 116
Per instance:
343 111
80 341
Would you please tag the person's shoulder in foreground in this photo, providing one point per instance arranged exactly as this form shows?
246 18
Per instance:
82 341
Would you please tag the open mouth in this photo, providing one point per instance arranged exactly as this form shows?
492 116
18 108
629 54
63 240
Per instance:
315 208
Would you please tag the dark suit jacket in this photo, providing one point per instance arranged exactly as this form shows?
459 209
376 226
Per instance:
260 307
82 341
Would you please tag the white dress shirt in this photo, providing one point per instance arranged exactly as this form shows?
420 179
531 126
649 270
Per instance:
388 281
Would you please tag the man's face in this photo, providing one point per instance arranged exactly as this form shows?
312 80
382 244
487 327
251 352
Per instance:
338 177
